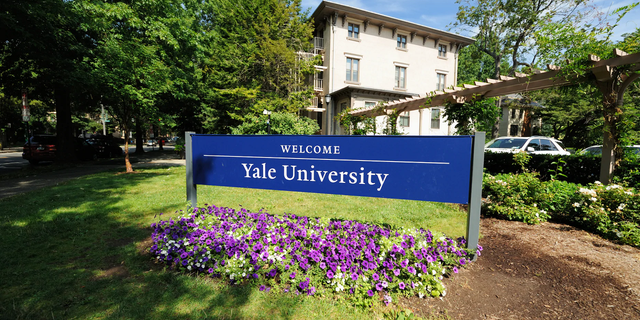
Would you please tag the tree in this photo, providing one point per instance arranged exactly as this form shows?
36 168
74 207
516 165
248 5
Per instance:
43 50
471 116
129 64
254 63
281 123
572 114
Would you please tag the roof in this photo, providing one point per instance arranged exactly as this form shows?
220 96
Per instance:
328 8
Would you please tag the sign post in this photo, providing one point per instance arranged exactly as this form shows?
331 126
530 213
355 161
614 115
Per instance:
425 168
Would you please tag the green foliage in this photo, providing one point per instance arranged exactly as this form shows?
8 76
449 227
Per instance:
475 65
281 123
514 197
556 169
522 159
573 114
475 115
357 125
611 211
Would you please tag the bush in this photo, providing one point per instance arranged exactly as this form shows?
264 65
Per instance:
611 211
309 256
578 168
281 123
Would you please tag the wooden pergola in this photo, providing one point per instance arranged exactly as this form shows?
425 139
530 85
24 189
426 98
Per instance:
612 77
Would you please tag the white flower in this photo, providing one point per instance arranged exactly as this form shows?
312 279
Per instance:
598 183
576 205
593 199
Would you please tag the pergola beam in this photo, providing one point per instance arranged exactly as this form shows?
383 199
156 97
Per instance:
602 69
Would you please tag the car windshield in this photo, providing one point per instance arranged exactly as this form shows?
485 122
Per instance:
516 143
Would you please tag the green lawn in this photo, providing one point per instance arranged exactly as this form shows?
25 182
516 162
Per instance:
76 251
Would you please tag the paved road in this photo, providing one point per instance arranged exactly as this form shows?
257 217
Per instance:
13 186
11 161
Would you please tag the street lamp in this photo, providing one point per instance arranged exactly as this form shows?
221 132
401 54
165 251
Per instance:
268 113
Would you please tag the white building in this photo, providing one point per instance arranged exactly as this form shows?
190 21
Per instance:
369 57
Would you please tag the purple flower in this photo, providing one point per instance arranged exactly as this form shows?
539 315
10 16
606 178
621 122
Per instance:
293 275
401 285
370 293
396 272
330 274
404 263
379 286
262 287
455 270
411 270
322 265
463 261
375 277
354 276
210 270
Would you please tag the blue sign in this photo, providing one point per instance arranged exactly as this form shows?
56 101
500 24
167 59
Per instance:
400 167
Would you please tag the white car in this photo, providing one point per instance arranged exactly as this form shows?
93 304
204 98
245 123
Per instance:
533 145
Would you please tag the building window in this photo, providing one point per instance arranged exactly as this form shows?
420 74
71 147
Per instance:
442 81
514 113
403 119
513 130
401 77
442 50
369 105
402 41
354 31
435 118
352 69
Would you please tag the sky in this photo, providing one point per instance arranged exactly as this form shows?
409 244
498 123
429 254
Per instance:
440 14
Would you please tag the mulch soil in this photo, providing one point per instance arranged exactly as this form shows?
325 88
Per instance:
547 271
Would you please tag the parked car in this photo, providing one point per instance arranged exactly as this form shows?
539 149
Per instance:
597 150
106 148
152 142
43 148
533 145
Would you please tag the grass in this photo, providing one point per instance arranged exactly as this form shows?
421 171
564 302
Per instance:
76 250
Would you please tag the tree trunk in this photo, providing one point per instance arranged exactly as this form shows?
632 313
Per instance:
65 145
127 161
611 150
139 137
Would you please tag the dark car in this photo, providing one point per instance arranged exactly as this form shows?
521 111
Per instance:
106 148
43 148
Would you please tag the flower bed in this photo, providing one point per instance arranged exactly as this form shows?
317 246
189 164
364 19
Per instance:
309 256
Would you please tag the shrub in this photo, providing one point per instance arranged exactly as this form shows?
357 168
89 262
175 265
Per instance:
611 211
281 123
309 256
577 168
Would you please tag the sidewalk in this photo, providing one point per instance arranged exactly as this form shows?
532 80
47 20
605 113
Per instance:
11 149
14 186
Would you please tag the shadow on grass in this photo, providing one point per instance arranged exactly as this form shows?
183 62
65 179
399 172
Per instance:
78 250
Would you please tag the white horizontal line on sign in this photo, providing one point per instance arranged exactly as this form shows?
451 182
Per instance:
322 159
